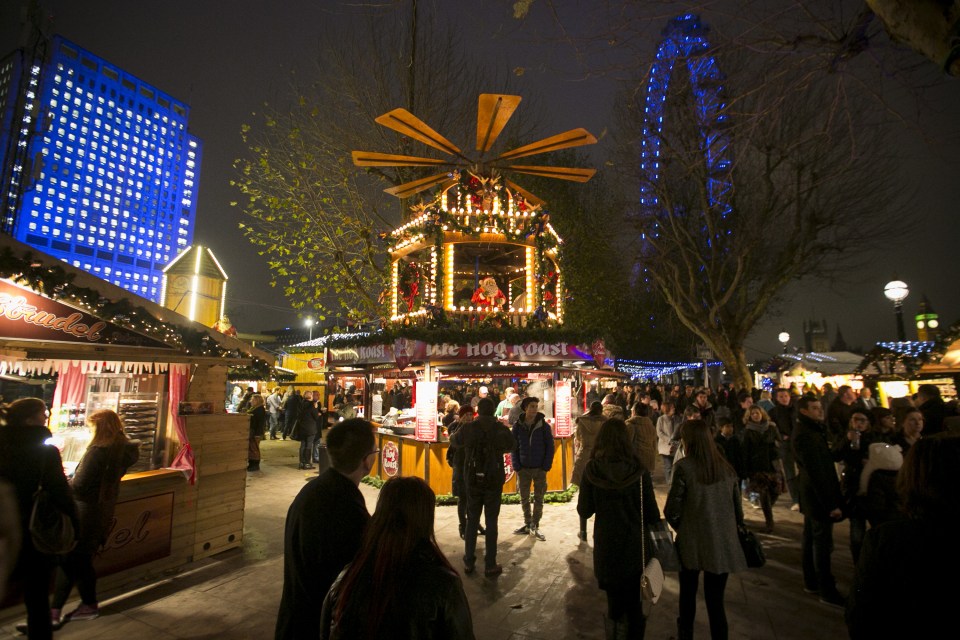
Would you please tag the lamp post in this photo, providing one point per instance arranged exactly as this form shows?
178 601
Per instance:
309 324
896 291
784 338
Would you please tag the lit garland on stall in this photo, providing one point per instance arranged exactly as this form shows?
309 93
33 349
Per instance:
652 369
55 283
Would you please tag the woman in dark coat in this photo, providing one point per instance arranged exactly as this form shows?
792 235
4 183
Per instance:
400 585
761 450
258 427
26 462
618 489
704 508
307 428
96 485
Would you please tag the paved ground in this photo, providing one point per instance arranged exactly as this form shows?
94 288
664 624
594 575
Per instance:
547 590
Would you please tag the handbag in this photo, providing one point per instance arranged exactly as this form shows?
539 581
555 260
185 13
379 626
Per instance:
752 549
651 581
664 549
51 530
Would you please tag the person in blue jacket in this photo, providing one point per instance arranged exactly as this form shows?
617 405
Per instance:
532 459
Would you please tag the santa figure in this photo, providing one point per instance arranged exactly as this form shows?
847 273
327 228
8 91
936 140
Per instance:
224 326
488 294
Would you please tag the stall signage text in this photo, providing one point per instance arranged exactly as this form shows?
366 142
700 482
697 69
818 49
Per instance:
405 351
139 532
29 316
315 364
426 429
563 427
390 459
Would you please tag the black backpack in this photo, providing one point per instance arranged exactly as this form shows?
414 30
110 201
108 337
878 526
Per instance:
477 467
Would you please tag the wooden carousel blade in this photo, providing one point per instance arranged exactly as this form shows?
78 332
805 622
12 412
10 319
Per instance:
410 125
565 140
573 174
493 113
416 186
376 159
529 197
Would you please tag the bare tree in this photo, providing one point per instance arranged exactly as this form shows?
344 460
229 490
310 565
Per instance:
803 191
307 208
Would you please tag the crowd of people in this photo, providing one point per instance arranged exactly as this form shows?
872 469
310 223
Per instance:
892 474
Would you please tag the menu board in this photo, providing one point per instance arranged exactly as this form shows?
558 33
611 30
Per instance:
426 429
562 425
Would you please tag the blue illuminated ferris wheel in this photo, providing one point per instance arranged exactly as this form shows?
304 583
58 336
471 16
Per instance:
685 42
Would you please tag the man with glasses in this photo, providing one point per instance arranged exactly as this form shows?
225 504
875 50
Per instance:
324 528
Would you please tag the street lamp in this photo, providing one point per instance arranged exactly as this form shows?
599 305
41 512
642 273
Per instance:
309 324
896 291
784 337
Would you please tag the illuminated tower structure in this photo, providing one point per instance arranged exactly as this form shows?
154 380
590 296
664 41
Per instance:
98 167
928 321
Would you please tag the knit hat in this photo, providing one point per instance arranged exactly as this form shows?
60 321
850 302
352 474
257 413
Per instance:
880 456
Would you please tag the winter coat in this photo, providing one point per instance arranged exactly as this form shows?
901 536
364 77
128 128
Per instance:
611 490
900 585
308 423
431 606
499 440
668 434
817 480
534 448
705 518
643 435
760 448
322 534
26 462
613 411
96 485
585 431
732 450
258 422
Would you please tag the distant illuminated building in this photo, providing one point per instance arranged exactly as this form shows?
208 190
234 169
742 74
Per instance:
195 285
928 321
98 167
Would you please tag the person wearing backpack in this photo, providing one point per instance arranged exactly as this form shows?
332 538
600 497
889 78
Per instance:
532 458
484 441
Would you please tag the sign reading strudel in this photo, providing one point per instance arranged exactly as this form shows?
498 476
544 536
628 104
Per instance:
404 351
26 315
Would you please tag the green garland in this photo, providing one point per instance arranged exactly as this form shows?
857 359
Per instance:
55 283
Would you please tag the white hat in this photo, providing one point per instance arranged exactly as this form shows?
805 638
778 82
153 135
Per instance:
484 391
880 456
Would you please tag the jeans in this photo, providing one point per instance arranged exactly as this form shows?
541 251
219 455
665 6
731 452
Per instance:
667 467
75 567
274 422
714 584
306 449
539 479
487 502
625 604
817 547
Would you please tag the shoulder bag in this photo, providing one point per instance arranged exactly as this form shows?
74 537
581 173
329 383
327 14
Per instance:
664 548
51 530
651 582
752 549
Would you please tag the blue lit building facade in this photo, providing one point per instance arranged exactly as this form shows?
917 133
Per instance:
99 168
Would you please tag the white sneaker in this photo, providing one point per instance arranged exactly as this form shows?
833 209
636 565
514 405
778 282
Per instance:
795 507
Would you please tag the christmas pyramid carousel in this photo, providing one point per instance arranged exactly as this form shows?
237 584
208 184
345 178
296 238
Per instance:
480 251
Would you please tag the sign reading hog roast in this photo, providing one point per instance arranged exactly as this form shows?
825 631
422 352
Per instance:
416 350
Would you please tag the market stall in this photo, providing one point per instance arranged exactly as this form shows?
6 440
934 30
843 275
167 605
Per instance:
898 369
98 346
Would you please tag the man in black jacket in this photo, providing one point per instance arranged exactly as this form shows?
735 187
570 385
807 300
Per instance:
324 528
485 433
820 500
784 414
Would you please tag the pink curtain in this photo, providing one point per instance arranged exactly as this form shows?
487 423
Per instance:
71 385
184 461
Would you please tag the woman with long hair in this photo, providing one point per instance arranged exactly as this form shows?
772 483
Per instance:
96 485
26 462
909 428
585 430
258 428
618 489
668 435
704 508
400 585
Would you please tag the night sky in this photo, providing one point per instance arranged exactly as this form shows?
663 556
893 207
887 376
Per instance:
225 59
